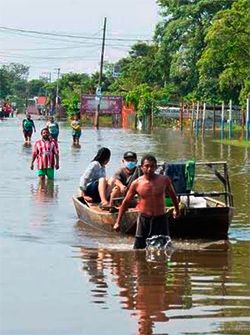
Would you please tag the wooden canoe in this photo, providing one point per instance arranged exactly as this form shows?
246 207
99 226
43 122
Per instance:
93 215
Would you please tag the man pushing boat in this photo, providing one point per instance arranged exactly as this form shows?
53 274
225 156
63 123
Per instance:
152 189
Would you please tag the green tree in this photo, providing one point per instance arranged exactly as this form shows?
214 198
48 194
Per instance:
36 87
182 39
225 62
70 102
5 83
13 79
140 67
142 99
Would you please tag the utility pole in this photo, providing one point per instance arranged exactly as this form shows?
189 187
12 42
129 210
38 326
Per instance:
57 89
98 89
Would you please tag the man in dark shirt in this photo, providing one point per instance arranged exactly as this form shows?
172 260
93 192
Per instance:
125 175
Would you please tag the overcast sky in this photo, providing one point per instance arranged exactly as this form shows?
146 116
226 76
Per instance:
127 21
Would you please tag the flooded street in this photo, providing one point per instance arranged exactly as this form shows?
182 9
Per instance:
59 276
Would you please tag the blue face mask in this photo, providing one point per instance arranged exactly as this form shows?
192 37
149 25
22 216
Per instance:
130 165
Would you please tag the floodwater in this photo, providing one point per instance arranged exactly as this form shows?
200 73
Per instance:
59 276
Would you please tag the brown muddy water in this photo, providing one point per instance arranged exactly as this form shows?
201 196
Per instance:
59 276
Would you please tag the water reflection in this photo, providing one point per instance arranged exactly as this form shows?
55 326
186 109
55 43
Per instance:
45 196
246 162
27 145
75 147
158 292
27 149
44 190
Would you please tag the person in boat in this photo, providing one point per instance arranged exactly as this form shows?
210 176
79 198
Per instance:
28 126
45 151
94 185
53 127
151 189
76 130
125 175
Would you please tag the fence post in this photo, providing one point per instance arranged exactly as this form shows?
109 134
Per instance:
247 119
181 115
192 118
197 119
230 119
222 120
203 118
214 121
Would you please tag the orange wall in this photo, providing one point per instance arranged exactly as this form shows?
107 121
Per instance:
128 116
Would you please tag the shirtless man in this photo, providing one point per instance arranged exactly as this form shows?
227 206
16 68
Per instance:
152 189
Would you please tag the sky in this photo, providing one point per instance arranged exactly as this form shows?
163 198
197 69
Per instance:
25 23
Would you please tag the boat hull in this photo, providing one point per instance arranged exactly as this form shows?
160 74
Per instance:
103 219
210 223
202 223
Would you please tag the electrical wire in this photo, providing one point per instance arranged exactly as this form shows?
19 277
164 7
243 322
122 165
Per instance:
71 35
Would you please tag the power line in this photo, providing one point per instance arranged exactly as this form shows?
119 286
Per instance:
42 57
74 46
72 36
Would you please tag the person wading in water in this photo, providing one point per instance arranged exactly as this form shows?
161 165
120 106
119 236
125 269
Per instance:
152 189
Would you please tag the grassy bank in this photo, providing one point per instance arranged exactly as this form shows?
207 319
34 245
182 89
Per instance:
237 143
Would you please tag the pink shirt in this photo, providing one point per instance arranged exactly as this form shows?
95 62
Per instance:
45 152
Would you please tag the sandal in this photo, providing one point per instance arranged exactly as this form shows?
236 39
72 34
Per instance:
105 207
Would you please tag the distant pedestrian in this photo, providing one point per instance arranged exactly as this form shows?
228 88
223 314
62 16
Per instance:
53 127
46 153
76 130
28 126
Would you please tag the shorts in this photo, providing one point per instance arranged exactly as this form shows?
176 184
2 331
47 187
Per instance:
27 133
54 136
76 134
148 226
92 191
49 172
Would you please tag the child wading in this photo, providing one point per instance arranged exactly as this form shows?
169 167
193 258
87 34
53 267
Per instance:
76 130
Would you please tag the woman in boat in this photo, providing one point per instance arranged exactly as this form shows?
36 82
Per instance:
94 185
